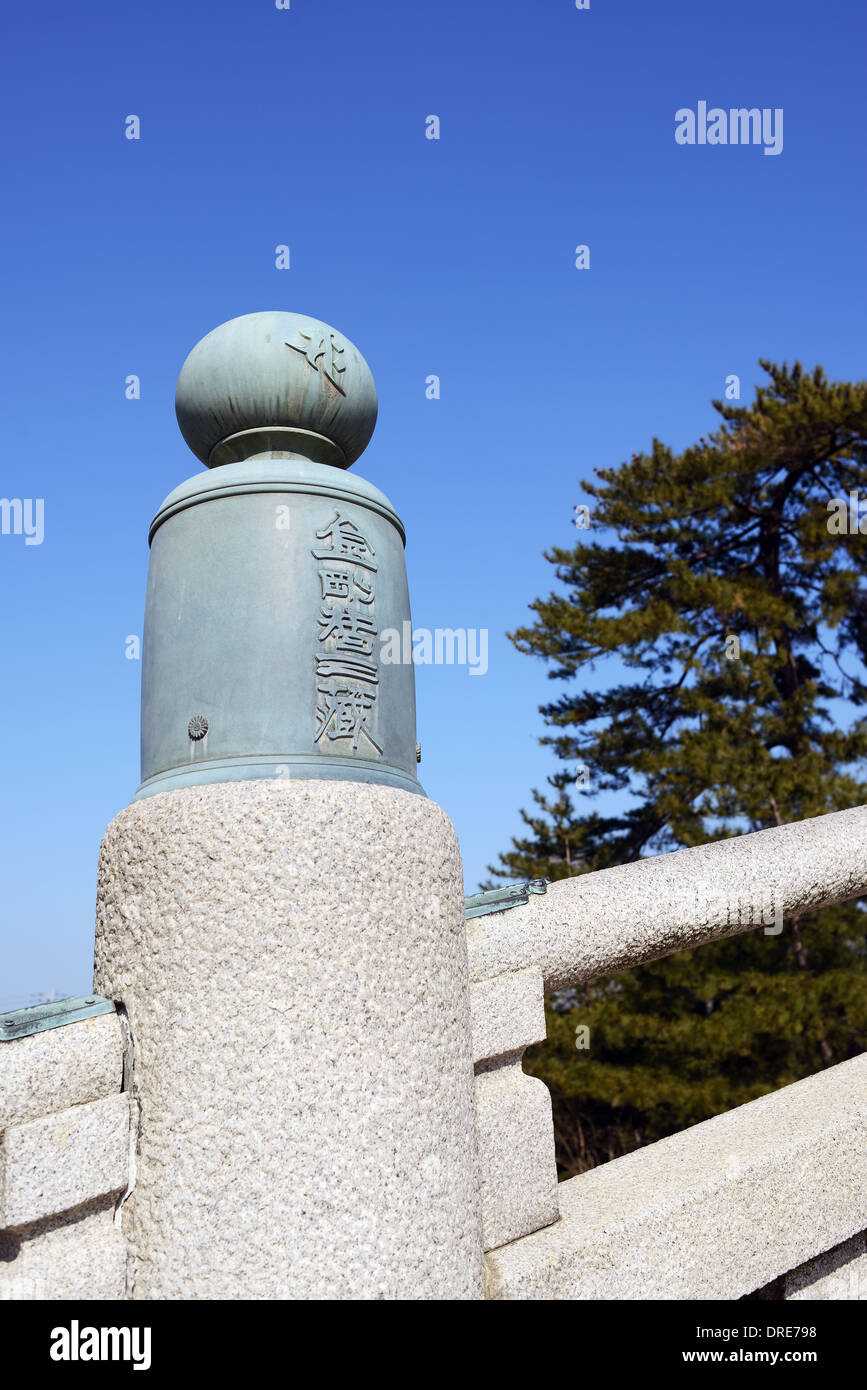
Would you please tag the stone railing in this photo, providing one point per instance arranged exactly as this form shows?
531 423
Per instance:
768 1200
717 1211
595 924
720 1209
64 1152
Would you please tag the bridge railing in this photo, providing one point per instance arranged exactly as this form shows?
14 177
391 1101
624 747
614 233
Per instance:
522 944
595 924
772 1193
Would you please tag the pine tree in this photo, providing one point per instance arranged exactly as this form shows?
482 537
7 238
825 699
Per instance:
729 600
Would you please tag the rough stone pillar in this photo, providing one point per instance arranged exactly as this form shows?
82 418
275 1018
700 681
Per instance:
292 959
280 910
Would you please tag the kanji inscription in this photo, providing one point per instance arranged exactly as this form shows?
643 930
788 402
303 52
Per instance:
323 353
347 671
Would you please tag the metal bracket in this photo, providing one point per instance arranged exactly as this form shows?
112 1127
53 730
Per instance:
501 899
41 1017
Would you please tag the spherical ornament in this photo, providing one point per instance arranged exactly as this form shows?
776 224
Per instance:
276 383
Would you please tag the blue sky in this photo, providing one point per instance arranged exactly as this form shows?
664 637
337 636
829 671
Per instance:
453 257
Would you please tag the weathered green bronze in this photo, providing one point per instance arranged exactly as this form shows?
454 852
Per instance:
40 1017
273 576
502 899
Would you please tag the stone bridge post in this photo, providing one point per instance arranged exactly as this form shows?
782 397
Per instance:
280 909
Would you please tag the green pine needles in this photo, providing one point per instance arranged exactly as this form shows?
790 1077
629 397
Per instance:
726 600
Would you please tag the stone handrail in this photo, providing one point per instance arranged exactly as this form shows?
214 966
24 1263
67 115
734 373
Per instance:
717 1211
65 1150
599 923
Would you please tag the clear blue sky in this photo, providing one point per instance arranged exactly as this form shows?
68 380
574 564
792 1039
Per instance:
454 257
